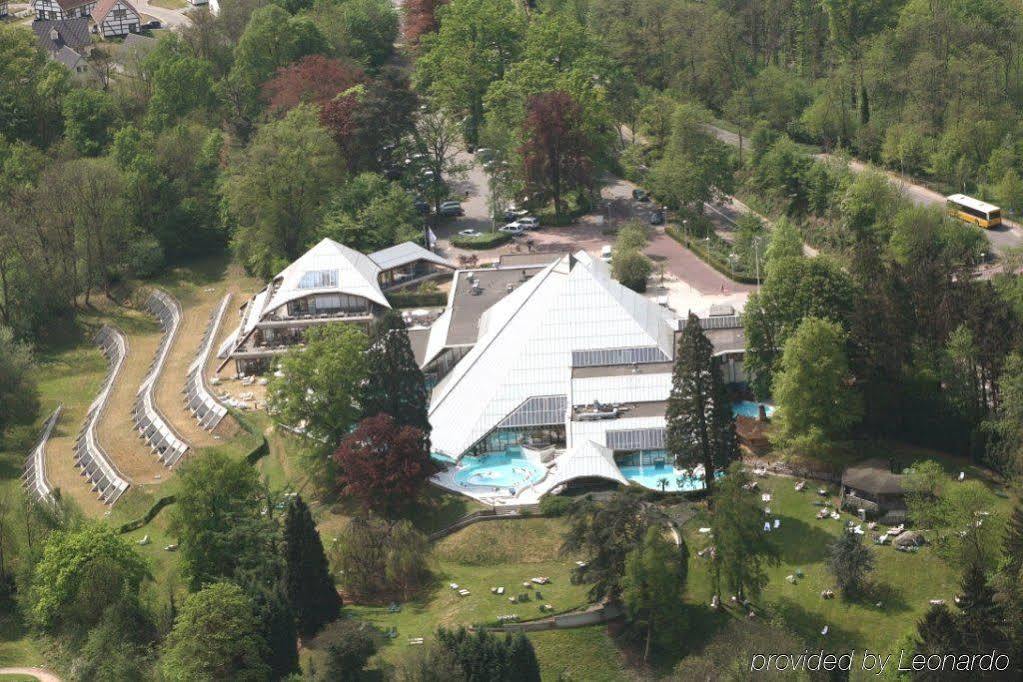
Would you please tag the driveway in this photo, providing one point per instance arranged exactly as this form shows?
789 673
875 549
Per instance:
40 674
169 18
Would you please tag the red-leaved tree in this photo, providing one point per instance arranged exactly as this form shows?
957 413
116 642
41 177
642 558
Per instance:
556 151
383 466
420 19
314 79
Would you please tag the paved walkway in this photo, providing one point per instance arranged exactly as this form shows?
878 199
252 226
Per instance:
169 18
40 674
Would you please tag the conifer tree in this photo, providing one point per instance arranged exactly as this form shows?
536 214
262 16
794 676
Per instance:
395 385
937 632
1012 545
701 427
522 663
308 584
277 622
980 618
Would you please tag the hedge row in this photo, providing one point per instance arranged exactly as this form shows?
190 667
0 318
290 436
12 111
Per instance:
487 240
417 299
707 257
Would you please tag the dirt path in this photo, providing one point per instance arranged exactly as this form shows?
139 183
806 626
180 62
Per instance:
41 674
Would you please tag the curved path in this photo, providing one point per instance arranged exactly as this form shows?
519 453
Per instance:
170 18
41 674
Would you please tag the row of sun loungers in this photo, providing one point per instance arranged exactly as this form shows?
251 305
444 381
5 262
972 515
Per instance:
149 422
96 466
34 476
207 410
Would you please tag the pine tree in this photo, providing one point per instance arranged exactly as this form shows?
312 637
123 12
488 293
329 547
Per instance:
277 622
522 663
308 584
1012 545
395 385
980 618
701 427
937 633
850 562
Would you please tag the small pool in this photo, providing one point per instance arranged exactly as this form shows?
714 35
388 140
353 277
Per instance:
652 475
498 470
748 408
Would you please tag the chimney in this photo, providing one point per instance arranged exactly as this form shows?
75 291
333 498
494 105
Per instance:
54 36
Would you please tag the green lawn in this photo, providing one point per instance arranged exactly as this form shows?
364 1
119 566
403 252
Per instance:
169 4
903 583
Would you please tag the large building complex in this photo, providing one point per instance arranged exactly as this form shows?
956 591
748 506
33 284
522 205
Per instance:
564 375
329 283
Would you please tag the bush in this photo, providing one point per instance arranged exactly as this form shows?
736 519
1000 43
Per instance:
556 505
144 257
488 240
632 269
417 299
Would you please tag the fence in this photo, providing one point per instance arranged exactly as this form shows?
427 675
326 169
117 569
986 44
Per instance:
90 457
34 475
494 514
149 421
207 410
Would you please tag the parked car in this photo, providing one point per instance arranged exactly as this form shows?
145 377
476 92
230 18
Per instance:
529 223
605 253
640 195
421 205
151 25
484 154
469 233
512 229
451 208
657 218
511 213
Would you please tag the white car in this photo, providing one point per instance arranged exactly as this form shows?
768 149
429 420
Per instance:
469 233
529 223
512 228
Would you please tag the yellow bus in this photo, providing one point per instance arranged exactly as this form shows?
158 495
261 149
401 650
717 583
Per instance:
974 211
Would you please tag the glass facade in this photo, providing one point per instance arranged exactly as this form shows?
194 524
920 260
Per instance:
642 458
499 440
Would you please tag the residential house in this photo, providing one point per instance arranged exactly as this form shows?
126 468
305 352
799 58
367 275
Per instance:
55 10
115 18
873 487
66 41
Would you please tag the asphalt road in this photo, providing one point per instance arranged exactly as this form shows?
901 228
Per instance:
1005 237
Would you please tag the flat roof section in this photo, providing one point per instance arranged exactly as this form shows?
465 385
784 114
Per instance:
467 307
622 370
418 336
524 259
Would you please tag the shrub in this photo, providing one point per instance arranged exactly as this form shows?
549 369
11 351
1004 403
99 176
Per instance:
555 505
632 269
488 240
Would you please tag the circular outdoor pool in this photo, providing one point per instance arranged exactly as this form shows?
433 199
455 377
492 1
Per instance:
498 471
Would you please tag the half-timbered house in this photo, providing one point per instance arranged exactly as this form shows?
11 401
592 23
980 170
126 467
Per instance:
115 18
55 10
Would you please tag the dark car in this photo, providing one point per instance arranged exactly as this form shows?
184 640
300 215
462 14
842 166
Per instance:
421 205
451 208
640 195
657 218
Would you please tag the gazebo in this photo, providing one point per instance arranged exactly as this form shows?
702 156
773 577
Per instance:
873 487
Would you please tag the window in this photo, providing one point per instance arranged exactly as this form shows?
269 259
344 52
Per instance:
318 279
120 13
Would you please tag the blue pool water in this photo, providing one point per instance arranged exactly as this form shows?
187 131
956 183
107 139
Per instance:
748 408
500 470
650 475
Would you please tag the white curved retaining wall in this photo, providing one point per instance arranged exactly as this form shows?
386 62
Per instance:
149 422
96 466
207 409
34 476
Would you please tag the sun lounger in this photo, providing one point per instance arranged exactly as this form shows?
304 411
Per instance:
800 486
825 631
715 603
767 527
936 602
766 497
463 593
581 564
767 511
835 515
500 590
791 579
415 641
453 586
882 539
704 530
777 523
822 492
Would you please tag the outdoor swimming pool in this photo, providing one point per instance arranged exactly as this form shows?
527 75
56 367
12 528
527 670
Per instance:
651 475
748 408
499 470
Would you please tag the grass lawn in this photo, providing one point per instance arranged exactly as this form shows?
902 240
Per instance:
169 4
502 553
902 582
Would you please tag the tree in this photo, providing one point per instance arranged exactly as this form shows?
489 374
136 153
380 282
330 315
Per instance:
348 655
89 116
436 136
743 549
382 465
652 588
433 663
313 79
936 634
556 153
119 648
79 569
813 365
321 386
980 618
363 31
795 288
181 84
700 425
695 167
850 561
484 656
217 518
394 383
31 90
215 637
420 19
632 269
1012 544
309 585
786 242
277 626
605 532
275 189
375 557
19 394
369 213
